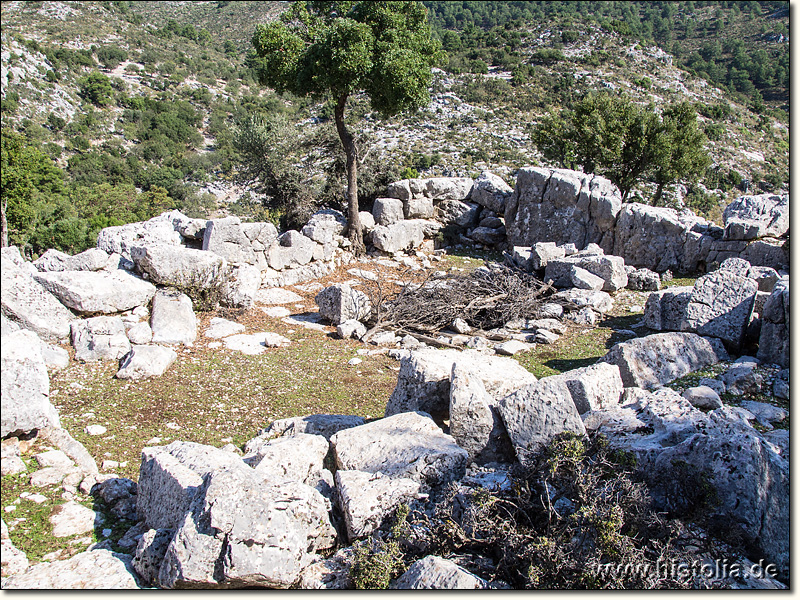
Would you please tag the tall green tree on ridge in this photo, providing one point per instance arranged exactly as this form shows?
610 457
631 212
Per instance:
384 49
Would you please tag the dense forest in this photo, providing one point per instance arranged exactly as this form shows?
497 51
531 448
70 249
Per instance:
117 111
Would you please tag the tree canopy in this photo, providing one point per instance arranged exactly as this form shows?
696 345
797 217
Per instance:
625 142
383 49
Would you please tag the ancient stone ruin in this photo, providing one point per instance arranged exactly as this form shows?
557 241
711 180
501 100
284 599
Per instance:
287 509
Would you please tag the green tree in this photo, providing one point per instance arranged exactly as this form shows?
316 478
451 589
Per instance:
384 49
96 88
682 155
625 142
29 180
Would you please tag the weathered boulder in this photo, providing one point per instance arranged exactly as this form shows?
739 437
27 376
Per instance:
139 333
584 280
702 396
25 385
367 222
143 362
656 238
475 423
611 269
189 228
456 212
537 413
598 301
423 382
594 387
169 477
446 188
418 208
677 447
765 277
27 303
324 425
436 573
720 306
120 239
100 338
92 259
644 280
179 266
351 329
293 249
226 238
92 292
325 225
339 302
773 344
751 482
490 191
387 211
398 236
751 217
561 206
663 357
172 319
298 458
240 286
97 569
149 554
366 499
243 531
665 310
488 236
405 445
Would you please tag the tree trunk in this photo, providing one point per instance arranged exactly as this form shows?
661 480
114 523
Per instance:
659 192
3 225
353 222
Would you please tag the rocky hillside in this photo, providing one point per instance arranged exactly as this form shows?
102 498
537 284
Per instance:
195 53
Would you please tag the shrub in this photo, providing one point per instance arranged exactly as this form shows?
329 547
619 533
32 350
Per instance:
96 88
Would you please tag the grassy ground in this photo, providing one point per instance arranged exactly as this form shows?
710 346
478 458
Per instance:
216 396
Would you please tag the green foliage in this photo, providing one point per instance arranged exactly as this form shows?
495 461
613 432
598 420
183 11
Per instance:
111 56
338 48
409 173
29 180
342 47
547 56
267 145
376 561
96 88
612 136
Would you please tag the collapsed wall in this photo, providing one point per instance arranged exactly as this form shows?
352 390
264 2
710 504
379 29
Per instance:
562 206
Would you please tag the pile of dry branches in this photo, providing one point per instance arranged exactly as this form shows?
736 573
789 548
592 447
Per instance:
486 298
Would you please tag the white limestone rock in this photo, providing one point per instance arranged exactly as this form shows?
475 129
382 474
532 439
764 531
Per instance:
91 292
28 304
663 357
404 445
536 413
339 303
96 569
366 499
436 573
100 338
423 382
172 319
144 362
